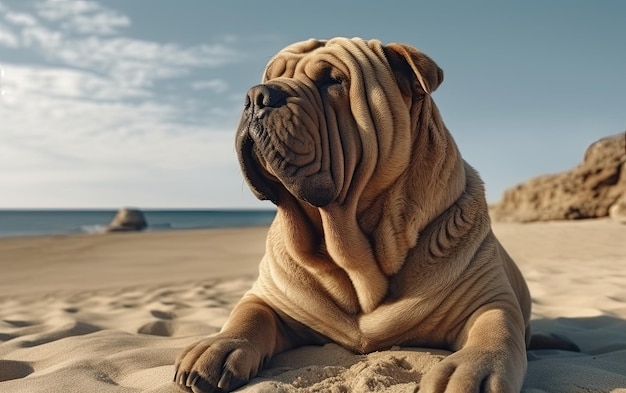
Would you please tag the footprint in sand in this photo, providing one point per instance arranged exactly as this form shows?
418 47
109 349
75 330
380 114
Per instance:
157 328
12 369
18 324
163 314
68 330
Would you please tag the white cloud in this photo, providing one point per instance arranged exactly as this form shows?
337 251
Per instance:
60 9
21 83
8 38
138 62
215 85
86 17
38 37
20 19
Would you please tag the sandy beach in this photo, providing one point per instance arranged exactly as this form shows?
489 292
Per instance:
109 313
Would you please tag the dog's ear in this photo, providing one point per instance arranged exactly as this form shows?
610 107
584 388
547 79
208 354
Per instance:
406 59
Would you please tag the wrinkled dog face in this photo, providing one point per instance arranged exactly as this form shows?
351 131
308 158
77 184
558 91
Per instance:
324 116
284 129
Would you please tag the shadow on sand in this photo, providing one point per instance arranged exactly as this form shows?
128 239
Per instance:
600 366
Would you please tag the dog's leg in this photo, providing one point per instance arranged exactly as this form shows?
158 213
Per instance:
491 356
226 361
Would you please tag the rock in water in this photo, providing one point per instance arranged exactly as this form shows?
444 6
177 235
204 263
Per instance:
587 191
127 219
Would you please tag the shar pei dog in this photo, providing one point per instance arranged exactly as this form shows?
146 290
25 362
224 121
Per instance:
382 235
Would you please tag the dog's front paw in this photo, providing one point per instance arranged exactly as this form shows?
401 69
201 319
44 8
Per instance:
475 371
217 364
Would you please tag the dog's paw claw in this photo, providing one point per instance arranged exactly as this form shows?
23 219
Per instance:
217 364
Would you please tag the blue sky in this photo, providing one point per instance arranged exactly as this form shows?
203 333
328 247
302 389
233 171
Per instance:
135 102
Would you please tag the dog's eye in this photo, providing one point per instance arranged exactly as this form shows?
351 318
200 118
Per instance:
324 74
335 80
332 82
328 80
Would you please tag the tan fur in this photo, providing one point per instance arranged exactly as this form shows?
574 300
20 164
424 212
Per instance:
382 234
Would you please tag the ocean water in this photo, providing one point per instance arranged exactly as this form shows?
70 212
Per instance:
57 222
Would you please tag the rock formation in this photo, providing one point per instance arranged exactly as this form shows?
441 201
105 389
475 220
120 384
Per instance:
587 191
127 219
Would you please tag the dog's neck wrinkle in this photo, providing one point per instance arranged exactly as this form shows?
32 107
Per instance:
329 244
351 250
306 245
434 180
454 224
302 225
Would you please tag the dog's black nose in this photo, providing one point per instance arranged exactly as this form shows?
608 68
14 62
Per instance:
264 96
